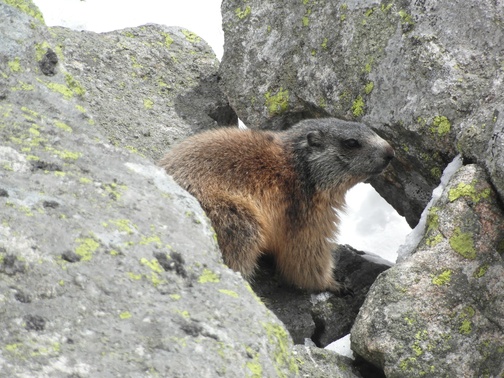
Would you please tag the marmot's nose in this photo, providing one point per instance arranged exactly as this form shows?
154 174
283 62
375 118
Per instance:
389 152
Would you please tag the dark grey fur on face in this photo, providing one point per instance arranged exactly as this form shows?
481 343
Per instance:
330 152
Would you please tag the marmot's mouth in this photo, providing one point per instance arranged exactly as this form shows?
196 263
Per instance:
379 170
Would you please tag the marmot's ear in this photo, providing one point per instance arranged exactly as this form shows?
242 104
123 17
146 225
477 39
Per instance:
315 138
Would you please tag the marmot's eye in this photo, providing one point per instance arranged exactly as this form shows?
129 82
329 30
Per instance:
351 143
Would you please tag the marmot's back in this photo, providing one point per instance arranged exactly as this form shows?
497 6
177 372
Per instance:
231 159
275 192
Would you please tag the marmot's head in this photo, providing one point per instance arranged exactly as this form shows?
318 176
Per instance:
331 152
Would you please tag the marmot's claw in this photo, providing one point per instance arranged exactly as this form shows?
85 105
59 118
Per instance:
347 292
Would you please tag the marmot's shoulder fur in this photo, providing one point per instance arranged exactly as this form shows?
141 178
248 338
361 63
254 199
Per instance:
275 192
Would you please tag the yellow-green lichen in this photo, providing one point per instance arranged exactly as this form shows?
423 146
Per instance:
358 107
409 320
63 126
58 88
405 17
74 85
22 86
148 103
417 349
432 241
152 264
134 276
277 336
124 225
436 172
386 8
71 88
134 62
208 276
466 327
80 108
440 126
114 190
86 248
24 209
251 291
368 66
14 65
34 130
322 103
191 37
463 244
12 347
468 190
30 112
26 7
156 270
175 297
145 240
168 40
125 315
254 367
278 103
241 14
369 87
481 271
443 279
64 154
184 313
324 44
85 180
432 219
343 10
409 364
231 293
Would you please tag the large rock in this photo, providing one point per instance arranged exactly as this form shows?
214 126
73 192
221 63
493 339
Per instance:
441 312
324 317
147 86
107 268
324 363
426 75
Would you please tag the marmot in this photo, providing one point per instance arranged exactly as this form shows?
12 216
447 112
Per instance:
276 193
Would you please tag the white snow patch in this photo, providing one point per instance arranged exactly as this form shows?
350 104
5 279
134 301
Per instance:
370 224
342 346
416 235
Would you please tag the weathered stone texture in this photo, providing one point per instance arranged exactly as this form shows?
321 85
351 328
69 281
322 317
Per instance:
148 86
441 312
425 74
428 76
107 267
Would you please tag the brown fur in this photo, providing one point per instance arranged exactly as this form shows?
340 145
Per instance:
249 184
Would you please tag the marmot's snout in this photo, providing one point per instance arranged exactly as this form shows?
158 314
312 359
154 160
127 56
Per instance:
384 155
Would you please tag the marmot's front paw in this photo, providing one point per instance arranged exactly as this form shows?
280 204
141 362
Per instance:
345 291
340 289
